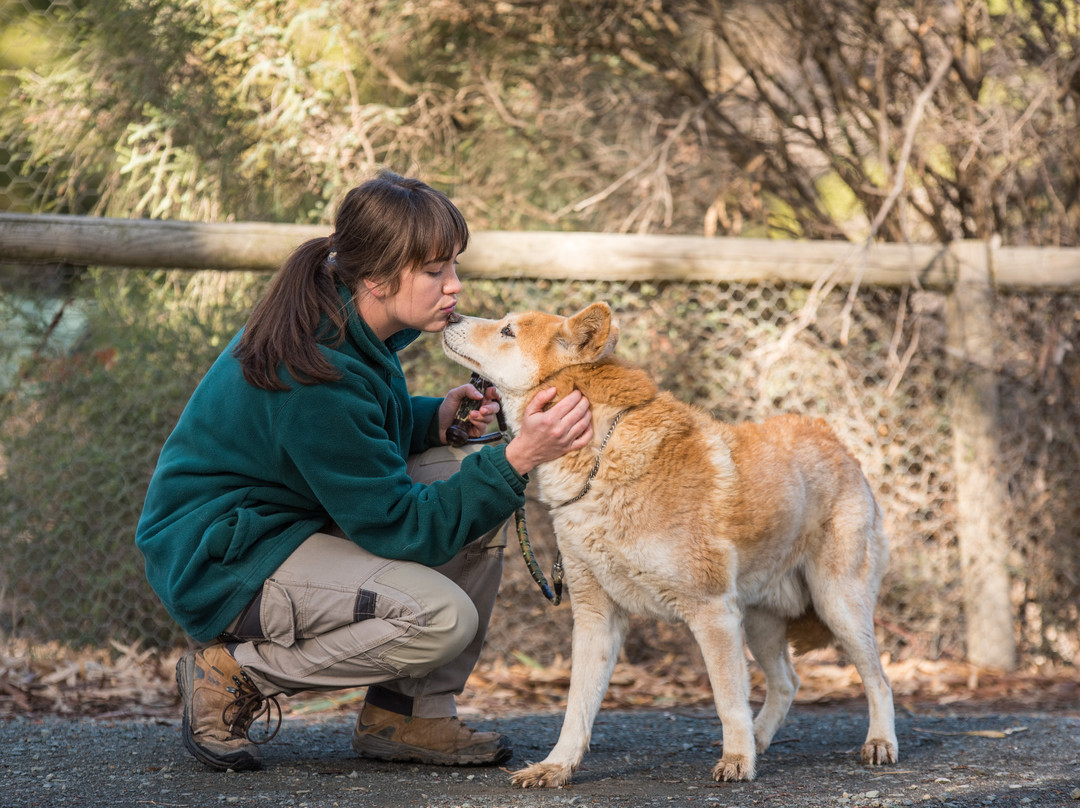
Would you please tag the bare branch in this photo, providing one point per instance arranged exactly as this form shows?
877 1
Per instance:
899 176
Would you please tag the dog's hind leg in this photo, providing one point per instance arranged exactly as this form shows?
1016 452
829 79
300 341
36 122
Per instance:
766 634
717 627
599 628
846 606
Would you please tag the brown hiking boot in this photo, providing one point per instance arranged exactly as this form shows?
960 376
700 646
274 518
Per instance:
386 735
220 704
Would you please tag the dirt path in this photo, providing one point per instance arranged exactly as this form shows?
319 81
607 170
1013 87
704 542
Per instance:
957 757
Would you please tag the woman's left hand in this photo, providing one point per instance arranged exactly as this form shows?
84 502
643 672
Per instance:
479 419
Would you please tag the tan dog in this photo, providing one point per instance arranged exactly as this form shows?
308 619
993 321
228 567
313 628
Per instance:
769 529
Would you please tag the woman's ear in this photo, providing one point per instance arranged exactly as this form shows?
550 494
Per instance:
374 289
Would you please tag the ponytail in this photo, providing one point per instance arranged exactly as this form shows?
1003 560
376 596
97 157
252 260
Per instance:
284 327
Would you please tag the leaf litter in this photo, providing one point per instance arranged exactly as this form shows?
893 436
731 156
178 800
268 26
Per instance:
125 681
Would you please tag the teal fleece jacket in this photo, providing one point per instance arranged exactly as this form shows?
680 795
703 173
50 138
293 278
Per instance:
248 474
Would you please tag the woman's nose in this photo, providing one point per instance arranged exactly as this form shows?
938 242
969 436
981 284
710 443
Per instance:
453 283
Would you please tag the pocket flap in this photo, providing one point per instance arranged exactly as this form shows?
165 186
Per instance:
277 614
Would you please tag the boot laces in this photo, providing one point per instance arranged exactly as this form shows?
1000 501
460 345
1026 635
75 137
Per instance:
249 706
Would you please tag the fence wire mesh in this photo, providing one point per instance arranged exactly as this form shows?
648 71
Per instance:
98 364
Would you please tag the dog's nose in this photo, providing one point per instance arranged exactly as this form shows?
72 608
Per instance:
454 318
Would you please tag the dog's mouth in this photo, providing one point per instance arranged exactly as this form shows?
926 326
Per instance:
458 353
450 348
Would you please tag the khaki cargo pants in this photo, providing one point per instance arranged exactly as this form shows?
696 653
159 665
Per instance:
336 616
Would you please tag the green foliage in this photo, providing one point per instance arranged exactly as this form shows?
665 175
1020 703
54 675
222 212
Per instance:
606 115
215 109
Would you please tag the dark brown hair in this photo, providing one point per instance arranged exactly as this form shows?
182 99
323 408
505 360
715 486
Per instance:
384 227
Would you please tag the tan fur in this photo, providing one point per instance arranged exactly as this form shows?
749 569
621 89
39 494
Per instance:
756 530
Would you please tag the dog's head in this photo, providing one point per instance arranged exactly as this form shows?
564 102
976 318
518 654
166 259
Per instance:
520 351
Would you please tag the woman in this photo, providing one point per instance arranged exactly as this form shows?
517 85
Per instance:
305 518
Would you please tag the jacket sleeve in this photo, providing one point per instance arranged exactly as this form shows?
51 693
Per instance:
337 445
426 420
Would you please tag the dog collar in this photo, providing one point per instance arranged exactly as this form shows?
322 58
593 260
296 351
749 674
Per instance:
599 457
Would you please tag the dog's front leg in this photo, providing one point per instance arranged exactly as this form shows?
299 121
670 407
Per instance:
717 627
599 629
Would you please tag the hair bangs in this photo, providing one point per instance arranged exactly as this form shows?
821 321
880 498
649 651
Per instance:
440 230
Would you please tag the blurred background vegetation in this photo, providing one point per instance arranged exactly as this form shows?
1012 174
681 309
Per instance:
740 118
835 119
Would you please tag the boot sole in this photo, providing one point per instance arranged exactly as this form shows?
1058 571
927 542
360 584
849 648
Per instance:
371 746
237 761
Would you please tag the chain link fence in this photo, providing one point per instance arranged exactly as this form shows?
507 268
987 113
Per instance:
97 365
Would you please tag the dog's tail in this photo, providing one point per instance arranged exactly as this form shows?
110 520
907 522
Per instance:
807 632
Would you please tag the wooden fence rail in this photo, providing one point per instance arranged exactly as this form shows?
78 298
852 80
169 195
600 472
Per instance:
967 271
85 240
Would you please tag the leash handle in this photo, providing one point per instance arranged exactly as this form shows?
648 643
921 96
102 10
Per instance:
457 434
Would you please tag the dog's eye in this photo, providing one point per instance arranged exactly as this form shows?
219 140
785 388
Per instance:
507 331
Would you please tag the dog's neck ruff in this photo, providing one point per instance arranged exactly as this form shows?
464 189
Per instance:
599 457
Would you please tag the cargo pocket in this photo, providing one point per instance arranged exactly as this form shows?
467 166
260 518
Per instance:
277 614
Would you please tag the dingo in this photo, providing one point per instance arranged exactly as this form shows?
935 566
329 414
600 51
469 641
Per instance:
768 530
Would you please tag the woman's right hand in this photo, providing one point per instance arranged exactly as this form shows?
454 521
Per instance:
549 434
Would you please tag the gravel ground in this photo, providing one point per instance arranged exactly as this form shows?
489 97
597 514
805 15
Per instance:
638 759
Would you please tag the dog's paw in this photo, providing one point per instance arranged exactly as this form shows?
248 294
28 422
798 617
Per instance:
733 767
878 752
762 741
542 775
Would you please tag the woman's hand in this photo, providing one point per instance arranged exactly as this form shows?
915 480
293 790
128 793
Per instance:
549 434
479 419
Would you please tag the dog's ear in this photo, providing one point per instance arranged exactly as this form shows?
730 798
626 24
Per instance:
590 333
613 338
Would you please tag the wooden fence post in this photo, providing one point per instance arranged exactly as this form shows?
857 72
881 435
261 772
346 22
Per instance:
984 544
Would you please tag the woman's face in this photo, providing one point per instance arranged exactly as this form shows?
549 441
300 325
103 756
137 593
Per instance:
425 299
